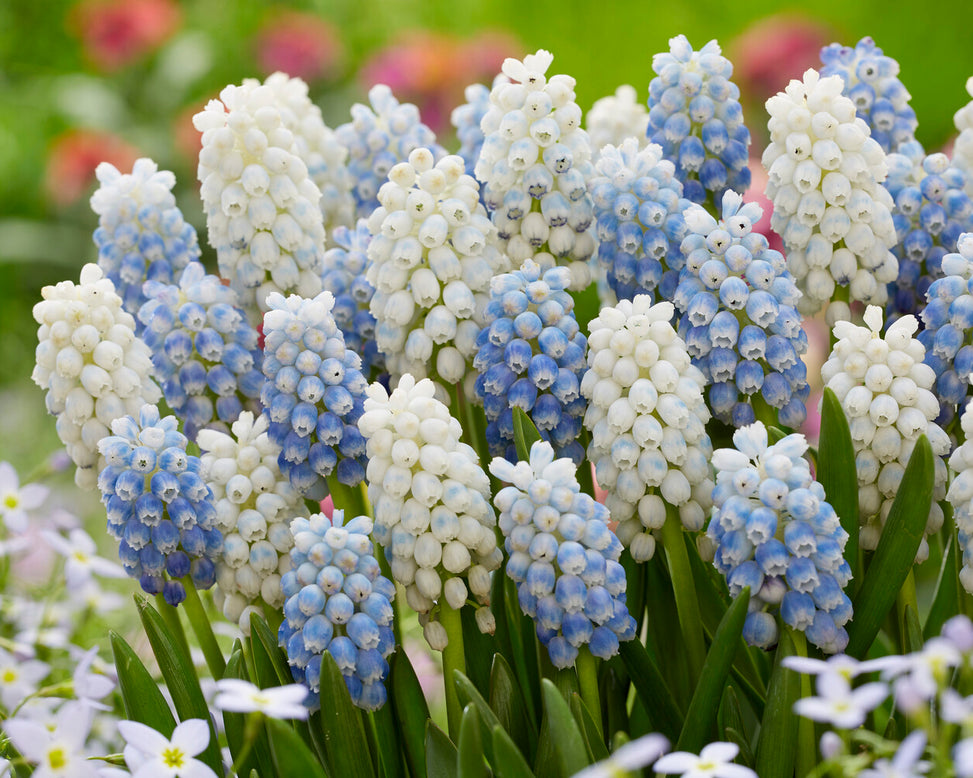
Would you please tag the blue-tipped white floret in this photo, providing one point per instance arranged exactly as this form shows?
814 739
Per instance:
776 533
738 306
159 508
960 496
313 395
466 119
695 115
872 83
963 145
647 420
531 356
638 219
204 351
141 232
337 602
615 118
562 556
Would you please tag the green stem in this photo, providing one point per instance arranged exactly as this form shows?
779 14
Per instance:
687 605
588 680
454 658
171 617
203 630
906 598
250 733
806 743
273 616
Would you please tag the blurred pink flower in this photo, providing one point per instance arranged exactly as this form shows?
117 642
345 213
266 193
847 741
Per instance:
115 33
72 160
327 506
299 44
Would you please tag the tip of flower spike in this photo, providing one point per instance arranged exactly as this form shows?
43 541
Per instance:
873 318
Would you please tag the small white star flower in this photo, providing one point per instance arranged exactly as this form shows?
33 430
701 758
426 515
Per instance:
17 500
81 558
19 678
839 704
59 751
149 754
282 702
714 761
629 757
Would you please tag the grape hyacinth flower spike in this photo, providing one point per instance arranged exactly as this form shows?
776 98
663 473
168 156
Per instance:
738 306
960 496
776 533
963 145
159 508
615 118
337 602
466 119
562 556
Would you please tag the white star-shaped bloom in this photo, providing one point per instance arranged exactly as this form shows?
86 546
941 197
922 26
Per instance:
282 702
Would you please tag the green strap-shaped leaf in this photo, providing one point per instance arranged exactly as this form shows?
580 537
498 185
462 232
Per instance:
777 744
469 695
180 677
700 721
477 645
507 702
260 631
731 724
560 737
389 743
945 603
410 709
896 550
913 631
292 756
345 742
144 702
594 745
525 434
508 761
837 472
441 754
651 688
469 756
524 646
259 759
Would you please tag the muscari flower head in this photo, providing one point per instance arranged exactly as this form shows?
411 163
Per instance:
871 81
638 219
695 116
254 506
262 207
739 316
531 356
963 145
204 351
314 393
141 232
534 164
431 260
647 420
885 391
960 496
93 366
931 211
615 118
562 556
159 508
776 533
466 119
823 176
379 136
337 602
430 498
345 264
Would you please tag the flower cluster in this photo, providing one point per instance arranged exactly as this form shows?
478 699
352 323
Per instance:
159 508
647 420
204 350
430 497
466 119
431 259
262 208
314 393
615 118
531 356
960 496
738 306
885 391
378 137
963 145
778 535
337 601
638 219
534 164
695 115
254 507
141 232
872 83
91 364
563 557
823 174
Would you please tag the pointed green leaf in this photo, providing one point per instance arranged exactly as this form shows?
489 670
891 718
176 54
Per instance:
469 695
292 756
524 647
341 723
508 761
565 741
651 688
144 702
234 725
525 434
469 756
441 754
507 702
410 709
389 743
593 742
260 631
837 472
945 603
477 645
896 550
733 735
700 721
264 671
913 632
586 305
777 744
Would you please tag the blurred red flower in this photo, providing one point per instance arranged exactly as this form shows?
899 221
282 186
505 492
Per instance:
299 44
72 160
117 32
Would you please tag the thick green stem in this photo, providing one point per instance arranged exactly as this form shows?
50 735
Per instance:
588 680
454 658
805 758
171 617
203 630
687 605
250 734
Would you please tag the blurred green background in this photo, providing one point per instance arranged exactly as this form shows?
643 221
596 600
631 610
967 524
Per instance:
116 79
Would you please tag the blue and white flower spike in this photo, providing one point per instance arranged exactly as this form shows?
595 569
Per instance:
948 330
204 351
562 556
739 318
885 390
313 395
960 496
823 176
872 83
695 115
531 356
534 164
638 219
378 137
776 533
141 232
254 507
337 602
647 420
91 364
466 119
159 508
615 118
963 145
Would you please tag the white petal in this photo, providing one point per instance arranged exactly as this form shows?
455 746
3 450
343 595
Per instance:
192 735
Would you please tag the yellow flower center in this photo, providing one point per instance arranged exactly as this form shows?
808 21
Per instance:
56 758
11 500
173 757
9 675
